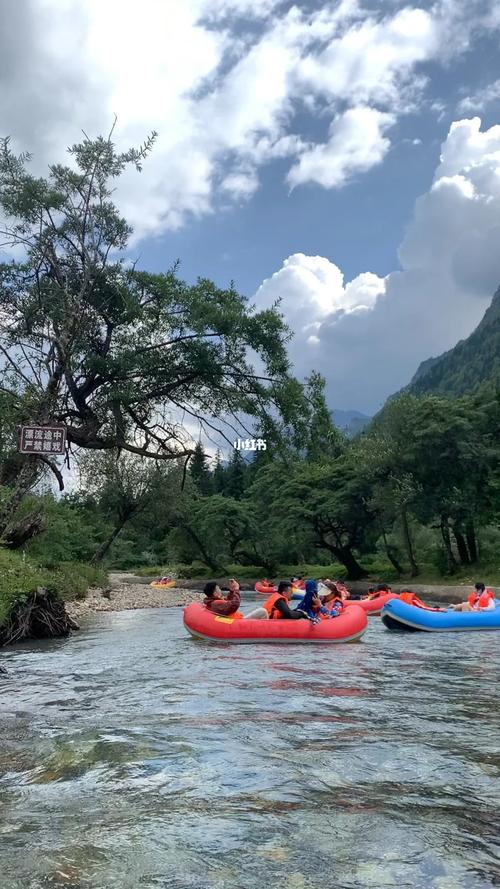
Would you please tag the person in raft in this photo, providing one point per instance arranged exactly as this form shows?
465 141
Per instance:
217 604
331 603
311 603
379 590
481 599
277 604
338 586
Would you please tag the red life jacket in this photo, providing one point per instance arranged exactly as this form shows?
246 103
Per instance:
480 600
270 605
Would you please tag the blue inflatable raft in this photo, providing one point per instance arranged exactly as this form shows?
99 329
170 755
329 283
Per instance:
397 615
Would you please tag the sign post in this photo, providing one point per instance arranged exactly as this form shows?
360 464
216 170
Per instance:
42 439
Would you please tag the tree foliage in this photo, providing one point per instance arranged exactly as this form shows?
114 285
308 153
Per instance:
119 355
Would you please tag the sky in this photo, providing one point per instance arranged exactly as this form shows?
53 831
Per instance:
341 157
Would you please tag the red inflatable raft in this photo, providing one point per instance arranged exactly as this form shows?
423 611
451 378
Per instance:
374 606
347 627
265 588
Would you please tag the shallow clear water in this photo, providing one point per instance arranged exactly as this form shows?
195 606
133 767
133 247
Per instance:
132 757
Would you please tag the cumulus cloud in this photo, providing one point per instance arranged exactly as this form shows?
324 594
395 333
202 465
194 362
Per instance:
357 143
222 82
369 335
312 288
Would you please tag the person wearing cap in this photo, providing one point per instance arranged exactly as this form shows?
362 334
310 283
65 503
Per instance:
331 604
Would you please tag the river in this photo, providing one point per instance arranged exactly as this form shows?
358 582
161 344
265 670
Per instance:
133 757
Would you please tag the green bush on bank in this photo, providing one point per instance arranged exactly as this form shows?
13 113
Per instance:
72 580
19 577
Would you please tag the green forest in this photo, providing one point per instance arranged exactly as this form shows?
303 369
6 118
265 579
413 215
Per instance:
153 380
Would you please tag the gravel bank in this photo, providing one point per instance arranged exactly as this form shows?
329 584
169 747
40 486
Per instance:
123 595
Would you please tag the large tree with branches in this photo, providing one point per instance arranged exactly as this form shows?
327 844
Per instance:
120 356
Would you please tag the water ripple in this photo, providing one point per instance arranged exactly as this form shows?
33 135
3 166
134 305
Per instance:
133 758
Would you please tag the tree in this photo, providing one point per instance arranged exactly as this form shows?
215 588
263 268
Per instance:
122 484
235 476
200 472
116 354
218 475
385 460
433 456
451 464
323 504
322 440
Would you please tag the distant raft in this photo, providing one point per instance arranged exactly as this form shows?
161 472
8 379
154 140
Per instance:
265 588
203 624
397 615
163 583
373 607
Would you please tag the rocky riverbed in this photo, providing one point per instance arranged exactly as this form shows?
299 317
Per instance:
123 594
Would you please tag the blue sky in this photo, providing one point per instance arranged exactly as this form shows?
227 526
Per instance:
342 156
358 227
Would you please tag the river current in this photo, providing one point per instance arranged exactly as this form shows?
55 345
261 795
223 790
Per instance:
133 757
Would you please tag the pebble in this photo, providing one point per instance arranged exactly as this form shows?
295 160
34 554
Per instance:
130 596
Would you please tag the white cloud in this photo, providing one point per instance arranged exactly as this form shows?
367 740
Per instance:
372 61
312 290
480 100
368 337
468 148
241 184
357 143
217 9
221 81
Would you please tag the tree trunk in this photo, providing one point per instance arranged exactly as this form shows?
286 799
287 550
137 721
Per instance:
354 570
26 479
207 558
104 548
445 534
463 552
470 535
346 557
18 532
392 556
408 543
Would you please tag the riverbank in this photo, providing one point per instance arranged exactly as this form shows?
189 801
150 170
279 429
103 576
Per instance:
126 593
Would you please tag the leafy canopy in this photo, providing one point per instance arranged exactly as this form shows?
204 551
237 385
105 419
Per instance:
121 356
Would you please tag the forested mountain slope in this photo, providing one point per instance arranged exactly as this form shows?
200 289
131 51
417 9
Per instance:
472 362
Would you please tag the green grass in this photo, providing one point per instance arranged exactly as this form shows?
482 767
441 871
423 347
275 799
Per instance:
20 577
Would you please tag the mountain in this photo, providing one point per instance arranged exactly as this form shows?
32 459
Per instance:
470 363
350 422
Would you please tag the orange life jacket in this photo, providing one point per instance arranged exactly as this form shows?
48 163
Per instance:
270 605
480 601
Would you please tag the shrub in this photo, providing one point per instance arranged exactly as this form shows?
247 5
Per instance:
21 576
18 578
